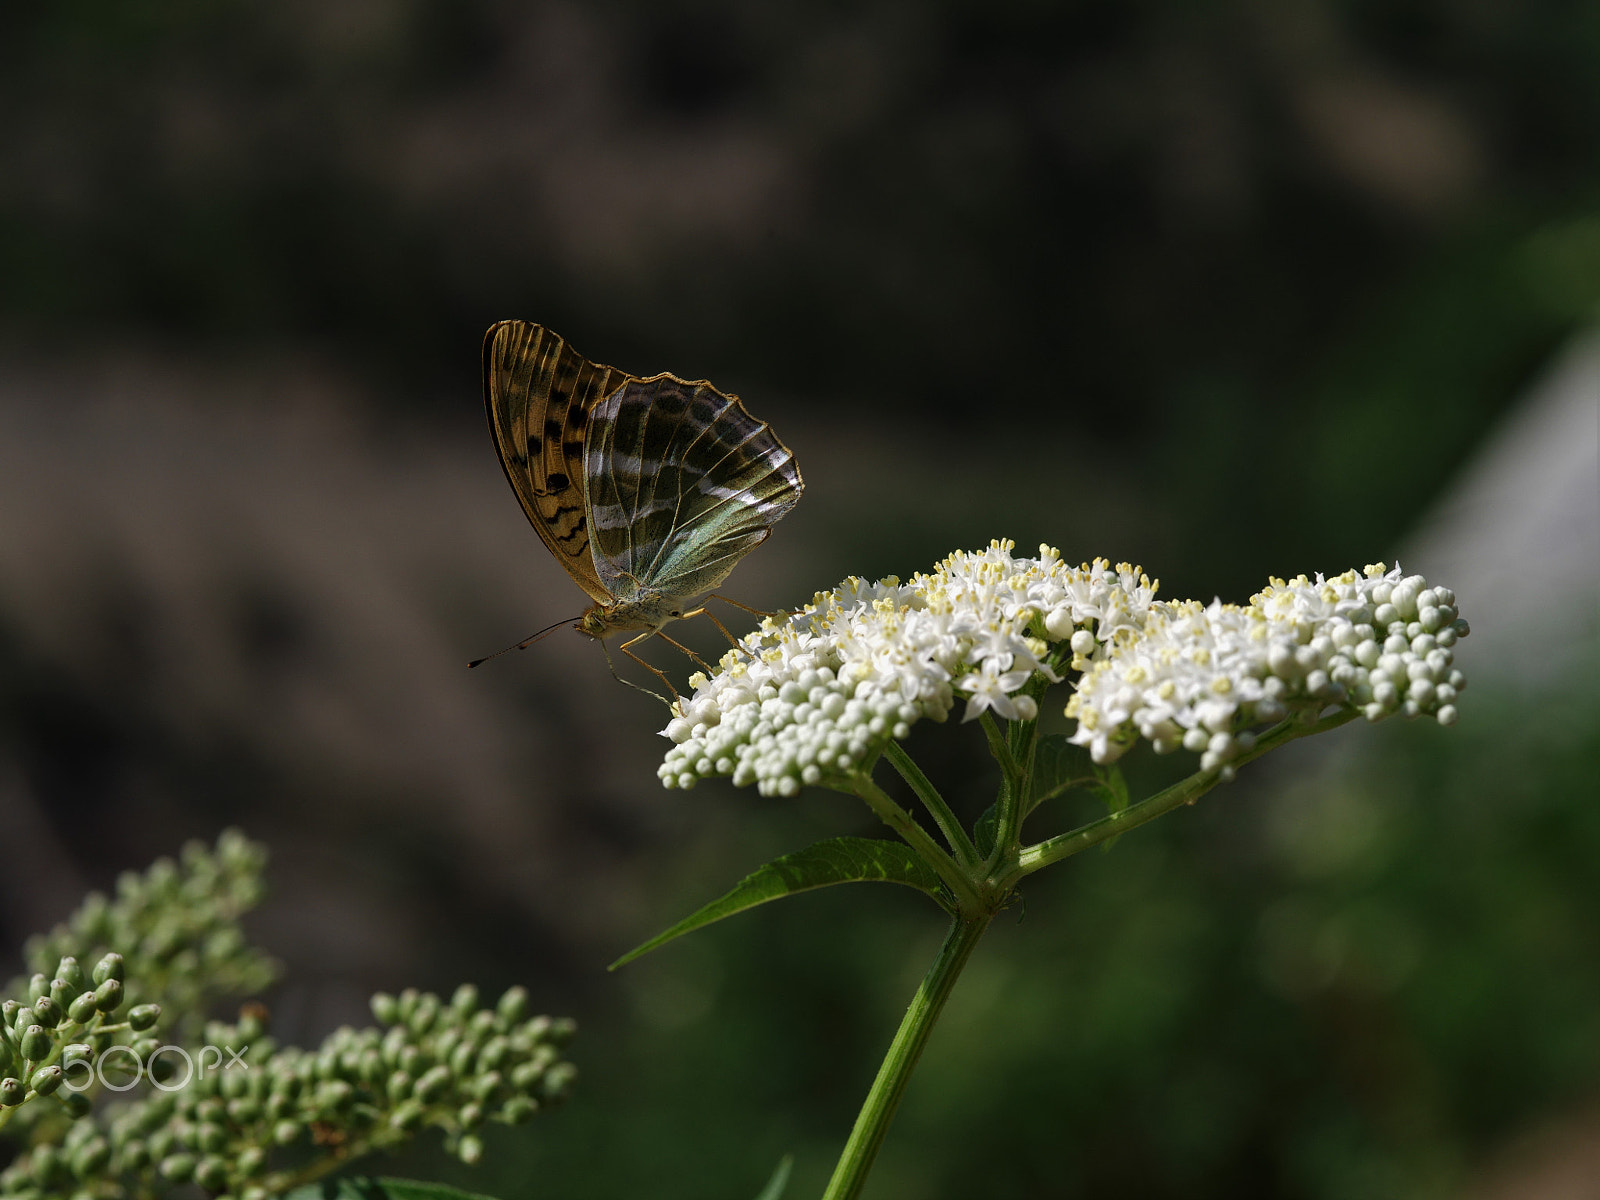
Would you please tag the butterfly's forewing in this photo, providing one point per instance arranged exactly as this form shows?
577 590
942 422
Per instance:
539 394
682 484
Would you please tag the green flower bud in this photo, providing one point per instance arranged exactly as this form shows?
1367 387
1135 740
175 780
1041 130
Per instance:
210 1109
493 1054
444 1044
424 1014
243 1110
210 1138
46 1080
287 1084
286 1133
483 1023
432 1084
465 1001
413 1061
513 1005
470 1116
143 1016
62 994
281 1105
558 1080
235 1081
372 1070
36 1044
11 1092
211 1173
518 1109
251 1160
82 1009
109 967
38 987
77 1104
47 1012
407 1116
160 1142
24 1017
108 996
145 1047
8 1013
407 1003
385 1008
132 1155
470 1149
398 1086
43 1163
562 1029
177 1167
525 1075
252 1025
461 1058
91 1158
255 1193
69 972
486 1085
335 1096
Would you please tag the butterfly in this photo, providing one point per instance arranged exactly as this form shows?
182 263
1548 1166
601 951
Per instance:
647 490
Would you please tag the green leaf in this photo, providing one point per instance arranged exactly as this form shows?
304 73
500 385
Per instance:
359 1188
983 830
779 1180
1113 789
837 860
1060 765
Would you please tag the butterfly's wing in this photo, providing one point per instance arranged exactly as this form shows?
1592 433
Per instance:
682 484
540 394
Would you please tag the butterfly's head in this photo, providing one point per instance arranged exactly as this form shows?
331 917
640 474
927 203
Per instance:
594 623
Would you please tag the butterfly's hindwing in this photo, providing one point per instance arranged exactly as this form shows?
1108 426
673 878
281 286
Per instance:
682 484
540 395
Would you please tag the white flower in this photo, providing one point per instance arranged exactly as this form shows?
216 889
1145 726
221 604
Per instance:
991 689
814 696
1201 676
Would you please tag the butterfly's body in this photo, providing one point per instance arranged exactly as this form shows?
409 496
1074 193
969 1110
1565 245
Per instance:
647 490
648 612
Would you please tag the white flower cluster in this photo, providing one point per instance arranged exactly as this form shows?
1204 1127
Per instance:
814 696
1199 676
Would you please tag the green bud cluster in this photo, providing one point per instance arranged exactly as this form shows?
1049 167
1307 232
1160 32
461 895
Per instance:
177 926
53 1023
256 1128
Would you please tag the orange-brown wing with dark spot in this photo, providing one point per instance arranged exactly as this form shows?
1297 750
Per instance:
539 393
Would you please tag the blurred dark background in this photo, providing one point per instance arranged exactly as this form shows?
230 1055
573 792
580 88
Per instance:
1227 289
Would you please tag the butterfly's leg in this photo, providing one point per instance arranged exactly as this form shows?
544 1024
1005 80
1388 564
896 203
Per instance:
705 612
737 604
688 653
659 674
645 665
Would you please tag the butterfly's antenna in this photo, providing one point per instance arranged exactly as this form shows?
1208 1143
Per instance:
524 643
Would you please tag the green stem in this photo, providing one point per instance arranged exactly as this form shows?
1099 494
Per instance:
1185 791
903 823
966 852
872 1123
